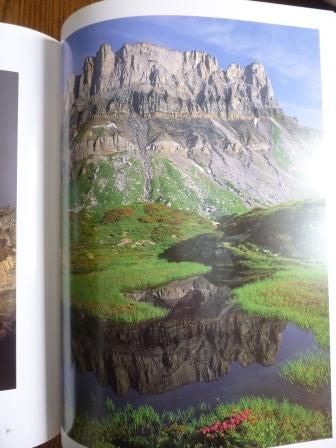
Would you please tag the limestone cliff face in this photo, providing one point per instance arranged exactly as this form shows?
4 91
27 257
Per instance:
152 81
149 106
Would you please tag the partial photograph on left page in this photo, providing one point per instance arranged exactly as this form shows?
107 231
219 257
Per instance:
8 177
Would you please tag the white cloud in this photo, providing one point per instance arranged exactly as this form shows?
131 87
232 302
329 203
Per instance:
287 59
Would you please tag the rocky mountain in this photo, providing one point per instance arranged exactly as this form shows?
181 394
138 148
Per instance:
152 81
148 123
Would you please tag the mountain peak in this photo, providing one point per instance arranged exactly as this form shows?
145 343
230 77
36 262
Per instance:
104 49
255 67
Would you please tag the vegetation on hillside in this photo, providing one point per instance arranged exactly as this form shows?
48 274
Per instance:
252 422
120 253
192 190
280 154
99 185
310 370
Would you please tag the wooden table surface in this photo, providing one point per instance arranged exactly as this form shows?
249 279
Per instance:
48 16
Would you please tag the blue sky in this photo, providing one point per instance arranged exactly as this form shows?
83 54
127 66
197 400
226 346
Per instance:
290 55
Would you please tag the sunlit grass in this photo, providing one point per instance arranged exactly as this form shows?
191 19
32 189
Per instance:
311 370
272 423
298 294
253 258
103 293
192 189
120 253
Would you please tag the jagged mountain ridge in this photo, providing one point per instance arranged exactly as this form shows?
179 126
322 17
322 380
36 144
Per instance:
214 132
154 81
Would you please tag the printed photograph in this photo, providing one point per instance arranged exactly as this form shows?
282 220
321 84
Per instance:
195 207
8 164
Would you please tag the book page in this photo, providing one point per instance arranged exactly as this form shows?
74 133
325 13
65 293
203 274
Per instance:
29 243
196 169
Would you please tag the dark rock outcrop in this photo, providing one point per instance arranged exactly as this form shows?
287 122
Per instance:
296 230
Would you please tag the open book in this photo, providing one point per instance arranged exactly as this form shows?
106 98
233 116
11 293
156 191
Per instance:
177 223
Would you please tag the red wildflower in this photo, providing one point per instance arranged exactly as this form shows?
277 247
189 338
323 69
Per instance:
218 429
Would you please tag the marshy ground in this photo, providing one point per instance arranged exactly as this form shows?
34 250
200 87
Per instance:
268 264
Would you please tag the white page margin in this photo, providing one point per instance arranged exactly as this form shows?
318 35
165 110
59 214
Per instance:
228 9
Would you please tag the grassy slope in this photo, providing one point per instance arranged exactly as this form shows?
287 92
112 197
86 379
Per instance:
99 184
192 190
110 258
271 423
279 153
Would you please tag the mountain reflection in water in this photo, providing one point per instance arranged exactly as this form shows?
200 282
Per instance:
206 349
203 335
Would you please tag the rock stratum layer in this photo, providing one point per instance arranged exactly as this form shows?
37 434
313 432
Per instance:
148 123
